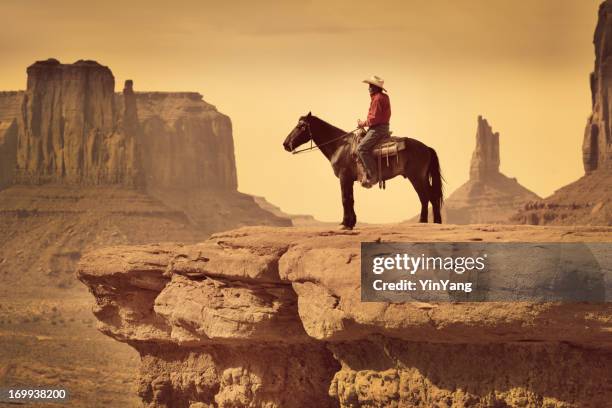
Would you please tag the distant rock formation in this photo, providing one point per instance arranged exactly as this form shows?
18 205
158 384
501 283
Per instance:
78 160
272 317
588 200
485 159
73 129
597 145
10 104
67 129
488 196
298 220
187 143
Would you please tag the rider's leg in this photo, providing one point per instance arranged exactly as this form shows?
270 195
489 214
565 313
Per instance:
366 146
365 151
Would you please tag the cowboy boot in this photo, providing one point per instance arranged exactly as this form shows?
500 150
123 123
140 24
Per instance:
369 181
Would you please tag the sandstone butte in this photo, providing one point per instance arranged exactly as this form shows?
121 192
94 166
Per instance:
83 166
488 196
271 317
70 127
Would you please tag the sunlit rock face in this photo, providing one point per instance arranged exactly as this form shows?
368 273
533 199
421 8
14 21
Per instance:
588 200
488 196
83 166
485 159
187 142
73 129
68 128
10 105
597 145
272 317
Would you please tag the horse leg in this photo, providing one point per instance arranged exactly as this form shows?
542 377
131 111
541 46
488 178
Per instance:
436 195
422 191
437 216
350 218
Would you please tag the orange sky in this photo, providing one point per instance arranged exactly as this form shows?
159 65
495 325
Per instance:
524 65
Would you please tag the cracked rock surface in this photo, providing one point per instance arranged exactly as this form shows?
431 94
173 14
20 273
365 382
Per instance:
272 317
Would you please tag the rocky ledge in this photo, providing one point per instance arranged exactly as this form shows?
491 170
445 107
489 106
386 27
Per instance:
272 317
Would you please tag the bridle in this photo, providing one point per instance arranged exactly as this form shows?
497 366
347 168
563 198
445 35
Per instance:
312 148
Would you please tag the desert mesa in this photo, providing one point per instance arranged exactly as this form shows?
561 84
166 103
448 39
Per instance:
132 263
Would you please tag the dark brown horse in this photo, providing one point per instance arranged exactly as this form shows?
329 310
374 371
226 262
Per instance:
418 163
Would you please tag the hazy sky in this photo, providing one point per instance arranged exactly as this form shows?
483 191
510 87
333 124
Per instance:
524 65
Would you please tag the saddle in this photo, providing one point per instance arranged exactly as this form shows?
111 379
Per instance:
388 148
383 151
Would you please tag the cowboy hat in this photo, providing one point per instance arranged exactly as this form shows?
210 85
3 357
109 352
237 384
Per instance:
376 81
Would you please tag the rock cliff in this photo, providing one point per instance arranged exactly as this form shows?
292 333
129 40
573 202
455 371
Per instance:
488 196
597 145
70 128
588 200
73 129
67 129
10 104
268 317
485 158
98 168
188 144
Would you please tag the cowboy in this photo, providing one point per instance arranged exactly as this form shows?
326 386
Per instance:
378 126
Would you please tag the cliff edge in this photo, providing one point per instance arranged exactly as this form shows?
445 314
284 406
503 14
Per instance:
269 317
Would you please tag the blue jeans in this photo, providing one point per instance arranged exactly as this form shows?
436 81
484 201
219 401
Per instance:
364 150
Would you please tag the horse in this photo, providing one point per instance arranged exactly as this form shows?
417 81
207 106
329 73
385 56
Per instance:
418 163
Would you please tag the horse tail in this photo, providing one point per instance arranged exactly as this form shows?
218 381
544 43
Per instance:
435 179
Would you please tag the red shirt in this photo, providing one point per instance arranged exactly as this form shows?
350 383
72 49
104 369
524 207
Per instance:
380 109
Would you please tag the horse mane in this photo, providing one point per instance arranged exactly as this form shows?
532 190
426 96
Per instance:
333 130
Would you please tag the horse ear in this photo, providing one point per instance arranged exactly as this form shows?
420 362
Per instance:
309 114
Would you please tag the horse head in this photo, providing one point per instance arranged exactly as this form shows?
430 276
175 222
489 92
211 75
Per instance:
300 134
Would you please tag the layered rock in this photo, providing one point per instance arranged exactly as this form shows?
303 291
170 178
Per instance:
188 144
268 317
85 181
68 129
485 158
74 129
188 161
588 200
297 220
45 229
597 145
488 196
10 104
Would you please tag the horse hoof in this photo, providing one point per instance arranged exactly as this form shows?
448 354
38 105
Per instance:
345 228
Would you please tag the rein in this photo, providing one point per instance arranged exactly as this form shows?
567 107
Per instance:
312 148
